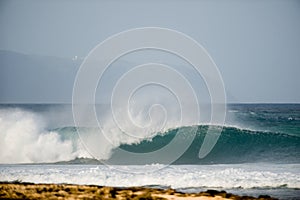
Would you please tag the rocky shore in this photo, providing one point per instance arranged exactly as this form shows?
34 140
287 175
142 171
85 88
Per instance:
17 190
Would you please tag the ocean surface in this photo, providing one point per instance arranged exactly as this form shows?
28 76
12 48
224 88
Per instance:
258 152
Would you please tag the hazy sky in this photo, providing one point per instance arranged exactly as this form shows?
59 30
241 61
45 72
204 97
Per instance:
255 44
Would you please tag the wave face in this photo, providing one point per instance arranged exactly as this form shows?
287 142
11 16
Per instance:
45 133
234 146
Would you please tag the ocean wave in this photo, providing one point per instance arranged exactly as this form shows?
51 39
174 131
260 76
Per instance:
26 139
235 145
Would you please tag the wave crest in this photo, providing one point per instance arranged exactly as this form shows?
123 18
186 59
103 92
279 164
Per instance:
25 139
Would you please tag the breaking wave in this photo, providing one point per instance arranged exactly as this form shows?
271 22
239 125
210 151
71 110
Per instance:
25 138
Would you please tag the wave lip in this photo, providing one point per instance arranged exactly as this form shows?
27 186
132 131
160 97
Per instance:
235 145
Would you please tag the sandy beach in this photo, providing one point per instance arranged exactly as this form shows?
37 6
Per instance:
9 190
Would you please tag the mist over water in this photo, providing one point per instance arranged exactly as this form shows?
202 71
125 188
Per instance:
34 134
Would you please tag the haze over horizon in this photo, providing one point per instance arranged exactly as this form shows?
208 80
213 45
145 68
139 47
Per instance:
255 44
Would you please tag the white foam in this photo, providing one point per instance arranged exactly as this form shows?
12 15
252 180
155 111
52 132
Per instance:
175 176
25 140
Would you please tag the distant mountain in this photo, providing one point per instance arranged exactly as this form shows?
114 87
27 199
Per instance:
48 79
35 78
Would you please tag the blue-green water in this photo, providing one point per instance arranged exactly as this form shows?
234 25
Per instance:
252 133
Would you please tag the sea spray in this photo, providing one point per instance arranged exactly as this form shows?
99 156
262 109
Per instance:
24 139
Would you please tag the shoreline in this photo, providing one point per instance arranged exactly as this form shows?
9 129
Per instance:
24 190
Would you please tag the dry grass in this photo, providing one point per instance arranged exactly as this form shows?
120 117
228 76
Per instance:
66 191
